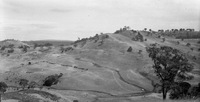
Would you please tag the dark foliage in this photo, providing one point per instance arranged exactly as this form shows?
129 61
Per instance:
188 44
23 82
3 87
75 100
195 92
129 49
179 90
52 80
11 50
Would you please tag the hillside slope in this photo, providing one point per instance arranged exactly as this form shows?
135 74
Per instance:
100 66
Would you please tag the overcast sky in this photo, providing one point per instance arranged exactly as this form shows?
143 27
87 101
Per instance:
70 19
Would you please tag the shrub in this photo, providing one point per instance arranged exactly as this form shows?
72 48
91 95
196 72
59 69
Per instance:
129 49
188 44
178 42
198 42
140 51
3 87
11 50
23 83
52 80
3 47
75 100
180 90
195 91
32 84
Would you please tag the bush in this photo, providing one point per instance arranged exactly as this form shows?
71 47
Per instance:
140 51
129 49
3 87
23 83
195 91
11 50
198 42
180 90
188 44
52 80
32 84
3 47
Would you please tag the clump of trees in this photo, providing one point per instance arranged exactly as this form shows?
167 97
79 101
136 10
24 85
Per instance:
138 37
170 65
24 48
3 87
122 29
62 49
52 79
10 48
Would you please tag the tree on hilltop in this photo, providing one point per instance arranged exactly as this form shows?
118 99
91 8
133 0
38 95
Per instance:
170 66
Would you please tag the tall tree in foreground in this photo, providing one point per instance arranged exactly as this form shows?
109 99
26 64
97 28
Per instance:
3 87
170 66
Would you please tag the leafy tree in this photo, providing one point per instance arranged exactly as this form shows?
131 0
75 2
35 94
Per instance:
23 83
170 66
3 87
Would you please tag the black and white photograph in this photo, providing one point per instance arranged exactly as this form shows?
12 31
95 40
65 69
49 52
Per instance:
99 50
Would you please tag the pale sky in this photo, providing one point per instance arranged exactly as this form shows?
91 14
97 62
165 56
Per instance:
70 19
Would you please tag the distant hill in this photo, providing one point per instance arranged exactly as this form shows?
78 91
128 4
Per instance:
14 43
54 42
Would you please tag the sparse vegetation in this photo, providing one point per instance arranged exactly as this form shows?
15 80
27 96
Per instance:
32 84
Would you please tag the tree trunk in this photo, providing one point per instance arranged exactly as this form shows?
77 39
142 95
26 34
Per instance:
0 97
164 91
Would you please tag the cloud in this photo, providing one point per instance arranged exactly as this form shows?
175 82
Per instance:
42 26
60 10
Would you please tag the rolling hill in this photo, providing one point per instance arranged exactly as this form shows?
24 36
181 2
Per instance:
96 68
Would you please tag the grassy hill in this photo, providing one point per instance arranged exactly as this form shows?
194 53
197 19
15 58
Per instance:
96 69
